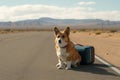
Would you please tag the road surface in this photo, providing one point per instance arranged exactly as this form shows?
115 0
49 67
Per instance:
31 56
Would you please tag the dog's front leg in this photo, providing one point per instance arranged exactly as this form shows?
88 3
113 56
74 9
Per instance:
60 64
68 63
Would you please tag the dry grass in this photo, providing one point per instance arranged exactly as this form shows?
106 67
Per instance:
6 31
99 32
115 34
74 31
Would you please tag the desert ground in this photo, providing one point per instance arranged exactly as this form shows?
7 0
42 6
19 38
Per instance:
107 44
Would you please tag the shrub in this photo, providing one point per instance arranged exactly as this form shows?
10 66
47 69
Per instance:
113 31
97 33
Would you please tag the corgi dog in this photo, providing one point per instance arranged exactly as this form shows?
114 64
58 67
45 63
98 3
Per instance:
67 54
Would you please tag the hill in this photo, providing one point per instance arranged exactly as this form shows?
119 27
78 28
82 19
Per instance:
48 23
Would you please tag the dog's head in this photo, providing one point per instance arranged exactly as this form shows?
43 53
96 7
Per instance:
62 38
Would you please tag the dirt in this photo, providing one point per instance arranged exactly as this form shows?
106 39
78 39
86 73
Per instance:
107 45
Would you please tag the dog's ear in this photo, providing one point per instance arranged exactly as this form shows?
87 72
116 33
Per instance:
67 31
56 30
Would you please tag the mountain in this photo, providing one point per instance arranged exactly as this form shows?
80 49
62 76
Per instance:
48 23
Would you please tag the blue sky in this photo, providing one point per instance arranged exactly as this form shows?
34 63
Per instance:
100 4
102 8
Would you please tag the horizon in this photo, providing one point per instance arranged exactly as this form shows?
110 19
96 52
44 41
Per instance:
12 10
55 18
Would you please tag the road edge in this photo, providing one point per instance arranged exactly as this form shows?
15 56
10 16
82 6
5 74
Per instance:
115 69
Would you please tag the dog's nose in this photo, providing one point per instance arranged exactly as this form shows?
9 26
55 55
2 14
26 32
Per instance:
59 41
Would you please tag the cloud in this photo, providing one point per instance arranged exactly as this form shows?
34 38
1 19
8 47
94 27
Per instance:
22 12
86 3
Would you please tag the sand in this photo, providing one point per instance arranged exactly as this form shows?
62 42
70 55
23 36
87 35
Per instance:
107 45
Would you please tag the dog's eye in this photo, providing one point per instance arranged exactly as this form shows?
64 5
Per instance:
63 36
58 36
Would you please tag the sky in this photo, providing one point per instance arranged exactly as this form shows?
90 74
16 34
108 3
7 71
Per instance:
14 10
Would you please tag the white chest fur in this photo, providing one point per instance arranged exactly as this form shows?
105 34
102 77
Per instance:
61 52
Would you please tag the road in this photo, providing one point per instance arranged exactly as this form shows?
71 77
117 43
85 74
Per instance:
31 56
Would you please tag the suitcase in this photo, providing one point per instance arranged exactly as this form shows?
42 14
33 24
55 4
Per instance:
87 53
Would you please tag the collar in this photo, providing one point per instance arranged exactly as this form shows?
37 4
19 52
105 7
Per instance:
64 46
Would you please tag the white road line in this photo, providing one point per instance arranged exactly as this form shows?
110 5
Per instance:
109 65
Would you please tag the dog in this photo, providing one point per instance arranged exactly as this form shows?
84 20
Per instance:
67 54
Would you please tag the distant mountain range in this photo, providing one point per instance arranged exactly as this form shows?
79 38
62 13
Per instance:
48 23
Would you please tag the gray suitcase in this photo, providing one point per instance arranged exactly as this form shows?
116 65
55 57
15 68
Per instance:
87 53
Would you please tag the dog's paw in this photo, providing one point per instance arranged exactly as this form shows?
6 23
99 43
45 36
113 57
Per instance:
68 68
57 65
60 66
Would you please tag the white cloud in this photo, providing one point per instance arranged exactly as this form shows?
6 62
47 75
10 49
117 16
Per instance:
86 3
22 12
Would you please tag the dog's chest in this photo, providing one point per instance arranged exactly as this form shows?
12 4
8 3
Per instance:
62 53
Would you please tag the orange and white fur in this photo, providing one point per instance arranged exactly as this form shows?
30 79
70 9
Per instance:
66 52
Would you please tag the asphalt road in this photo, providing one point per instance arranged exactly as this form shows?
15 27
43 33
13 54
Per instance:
31 56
